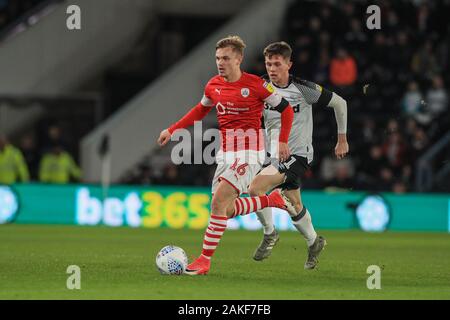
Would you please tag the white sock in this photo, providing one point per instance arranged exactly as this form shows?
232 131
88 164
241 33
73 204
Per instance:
265 217
305 227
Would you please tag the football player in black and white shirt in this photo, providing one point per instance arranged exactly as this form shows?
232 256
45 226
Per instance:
303 96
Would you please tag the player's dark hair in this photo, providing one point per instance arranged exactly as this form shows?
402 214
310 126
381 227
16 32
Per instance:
278 48
234 42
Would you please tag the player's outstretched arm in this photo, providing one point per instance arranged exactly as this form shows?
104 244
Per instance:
341 148
340 112
287 117
316 95
281 105
197 113
164 137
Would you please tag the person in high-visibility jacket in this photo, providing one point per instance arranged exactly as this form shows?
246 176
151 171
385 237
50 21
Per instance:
12 164
58 166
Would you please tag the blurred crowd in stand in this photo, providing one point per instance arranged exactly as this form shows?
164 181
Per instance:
395 80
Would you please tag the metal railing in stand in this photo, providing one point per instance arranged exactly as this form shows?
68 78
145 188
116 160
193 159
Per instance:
28 19
89 104
425 177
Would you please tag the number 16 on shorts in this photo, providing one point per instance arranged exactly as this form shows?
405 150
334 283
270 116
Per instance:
240 170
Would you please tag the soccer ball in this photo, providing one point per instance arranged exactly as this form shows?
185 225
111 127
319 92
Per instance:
171 260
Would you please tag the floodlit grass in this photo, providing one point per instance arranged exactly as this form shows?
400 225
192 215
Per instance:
119 263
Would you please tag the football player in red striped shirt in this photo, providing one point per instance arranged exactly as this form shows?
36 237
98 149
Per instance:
239 99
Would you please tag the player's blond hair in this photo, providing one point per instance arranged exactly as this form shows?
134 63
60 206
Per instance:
234 42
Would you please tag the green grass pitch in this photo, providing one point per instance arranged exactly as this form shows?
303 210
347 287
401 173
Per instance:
118 263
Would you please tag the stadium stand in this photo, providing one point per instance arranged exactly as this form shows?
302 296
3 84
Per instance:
397 110
10 10
397 91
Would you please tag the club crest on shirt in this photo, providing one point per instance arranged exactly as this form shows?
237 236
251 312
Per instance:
245 92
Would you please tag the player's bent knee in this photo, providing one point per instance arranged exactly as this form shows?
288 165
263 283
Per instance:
255 191
257 188
223 197
219 205
298 207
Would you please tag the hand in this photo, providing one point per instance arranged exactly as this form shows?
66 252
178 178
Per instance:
164 137
283 151
341 148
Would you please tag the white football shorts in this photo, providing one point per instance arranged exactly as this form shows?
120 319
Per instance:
238 168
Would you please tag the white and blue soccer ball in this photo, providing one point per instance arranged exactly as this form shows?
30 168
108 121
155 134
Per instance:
171 260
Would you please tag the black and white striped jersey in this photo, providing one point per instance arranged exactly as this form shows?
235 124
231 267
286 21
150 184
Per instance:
303 96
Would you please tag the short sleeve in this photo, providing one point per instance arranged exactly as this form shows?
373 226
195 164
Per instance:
313 93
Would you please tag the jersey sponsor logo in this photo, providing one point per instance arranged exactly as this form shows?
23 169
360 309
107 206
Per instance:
268 86
220 108
245 92
229 108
